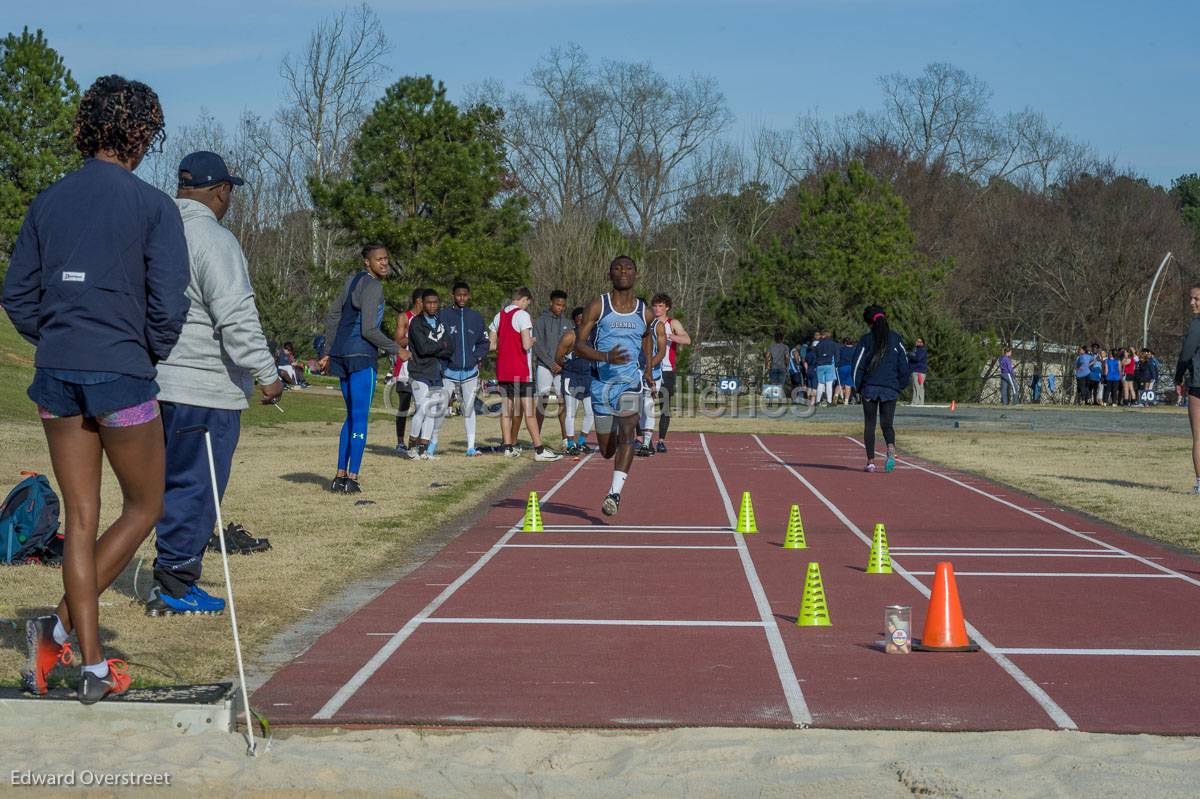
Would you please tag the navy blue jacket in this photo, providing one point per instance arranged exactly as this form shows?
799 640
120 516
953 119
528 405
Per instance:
845 356
98 276
468 334
827 350
890 375
918 359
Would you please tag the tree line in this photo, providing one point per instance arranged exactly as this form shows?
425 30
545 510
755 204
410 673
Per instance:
976 227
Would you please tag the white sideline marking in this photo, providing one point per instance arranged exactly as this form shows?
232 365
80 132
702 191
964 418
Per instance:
1143 575
1039 695
919 550
596 622
783 665
610 546
967 554
1078 534
373 665
1189 653
604 528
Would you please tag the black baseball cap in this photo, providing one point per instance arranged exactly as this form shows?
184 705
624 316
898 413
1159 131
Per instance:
205 169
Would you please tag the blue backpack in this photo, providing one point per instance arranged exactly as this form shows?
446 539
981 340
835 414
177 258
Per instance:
29 522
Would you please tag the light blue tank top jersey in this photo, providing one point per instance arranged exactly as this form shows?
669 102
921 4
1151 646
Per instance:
624 330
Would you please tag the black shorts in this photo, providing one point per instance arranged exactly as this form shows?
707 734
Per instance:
1194 391
512 389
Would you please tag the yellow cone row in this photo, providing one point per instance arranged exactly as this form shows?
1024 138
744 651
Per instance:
879 561
745 522
814 612
794 538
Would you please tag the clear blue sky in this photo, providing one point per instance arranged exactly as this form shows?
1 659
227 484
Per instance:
1120 76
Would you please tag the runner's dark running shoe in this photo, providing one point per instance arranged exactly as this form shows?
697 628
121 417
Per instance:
44 654
338 485
662 447
643 451
238 541
611 505
351 487
92 688
585 449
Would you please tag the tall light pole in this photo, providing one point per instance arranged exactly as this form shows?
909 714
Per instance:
1149 298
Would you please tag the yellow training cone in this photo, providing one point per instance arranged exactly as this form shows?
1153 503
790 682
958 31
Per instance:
533 515
794 539
880 561
745 522
813 610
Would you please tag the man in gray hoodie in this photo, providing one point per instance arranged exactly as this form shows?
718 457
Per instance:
548 330
206 381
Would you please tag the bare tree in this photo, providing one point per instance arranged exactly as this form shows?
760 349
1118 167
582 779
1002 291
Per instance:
326 91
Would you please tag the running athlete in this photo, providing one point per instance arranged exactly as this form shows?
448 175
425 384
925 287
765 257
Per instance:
400 378
353 327
577 386
468 336
660 304
615 327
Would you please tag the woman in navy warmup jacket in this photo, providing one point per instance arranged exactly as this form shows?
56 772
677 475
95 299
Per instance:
881 372
96 282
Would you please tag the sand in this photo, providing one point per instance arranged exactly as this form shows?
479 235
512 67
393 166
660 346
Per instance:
586 764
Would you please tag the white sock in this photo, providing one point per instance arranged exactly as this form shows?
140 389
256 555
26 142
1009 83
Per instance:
618 482
99 669
470 423
61 635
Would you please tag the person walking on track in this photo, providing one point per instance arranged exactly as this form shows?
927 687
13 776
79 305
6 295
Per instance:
205 383
96 282
469 342
881 372
616 327
353 328
577 386
661 305
1189 361
511 335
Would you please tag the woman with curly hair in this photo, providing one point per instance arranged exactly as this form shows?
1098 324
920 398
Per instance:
96 282
881 372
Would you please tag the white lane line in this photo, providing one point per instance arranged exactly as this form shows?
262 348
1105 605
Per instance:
1143 575
1078 534
1187 653
373 665
627 532
1039 695
783 665
919 550
968 554
604 528
610 546
589 622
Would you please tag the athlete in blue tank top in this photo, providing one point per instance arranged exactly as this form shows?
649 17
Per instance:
618 335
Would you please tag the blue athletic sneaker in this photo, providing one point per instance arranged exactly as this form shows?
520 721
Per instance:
430 448
474 453
194 603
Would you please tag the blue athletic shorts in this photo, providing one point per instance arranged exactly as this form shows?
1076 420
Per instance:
845 372
88 394
616 399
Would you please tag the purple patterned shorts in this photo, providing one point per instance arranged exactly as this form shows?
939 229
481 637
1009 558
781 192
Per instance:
124 417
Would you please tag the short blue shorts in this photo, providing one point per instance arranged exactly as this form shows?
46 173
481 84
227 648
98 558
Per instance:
616 399
89 394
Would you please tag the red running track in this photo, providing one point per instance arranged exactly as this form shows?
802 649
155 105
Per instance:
664 617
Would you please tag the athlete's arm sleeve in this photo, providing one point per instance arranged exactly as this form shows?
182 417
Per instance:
370 301
23 282
167 276
224 281
334 318
483 344
1187 353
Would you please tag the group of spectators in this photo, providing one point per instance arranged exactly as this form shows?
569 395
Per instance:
822 369
1117 377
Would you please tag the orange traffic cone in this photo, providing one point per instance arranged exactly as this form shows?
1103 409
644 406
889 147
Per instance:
945 630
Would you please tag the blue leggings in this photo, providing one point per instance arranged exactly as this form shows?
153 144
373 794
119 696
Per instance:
357 390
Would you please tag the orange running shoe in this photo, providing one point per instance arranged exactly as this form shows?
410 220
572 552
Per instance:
44 654
92 688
